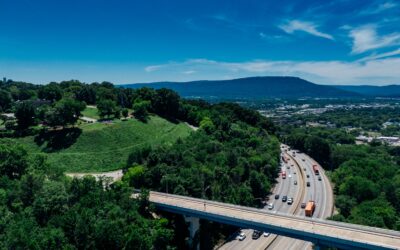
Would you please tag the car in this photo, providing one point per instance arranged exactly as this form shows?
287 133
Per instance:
276 196
256 234
241 236
266 234
290 176
319 178
292 165
284 198
303 205
308 184
295 182
294 172
290 201
270 206
308 176
303 159
288 167
305 169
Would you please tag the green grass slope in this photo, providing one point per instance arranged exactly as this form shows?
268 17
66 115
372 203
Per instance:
91 112
105 147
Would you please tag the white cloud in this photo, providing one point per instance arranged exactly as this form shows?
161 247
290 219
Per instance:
308 27
366 38
189 72
264 36
380 71
380 8
379 56
153 68
386 6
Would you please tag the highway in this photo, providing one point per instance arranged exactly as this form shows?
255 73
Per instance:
283 187
326 233
319 191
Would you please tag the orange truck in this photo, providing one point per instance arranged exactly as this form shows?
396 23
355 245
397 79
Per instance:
310 207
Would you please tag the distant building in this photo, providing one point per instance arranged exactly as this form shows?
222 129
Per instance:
364 138
388 139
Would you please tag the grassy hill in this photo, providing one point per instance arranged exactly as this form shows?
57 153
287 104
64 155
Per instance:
91 112
105 147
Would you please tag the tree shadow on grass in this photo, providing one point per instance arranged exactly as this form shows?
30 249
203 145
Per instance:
55 140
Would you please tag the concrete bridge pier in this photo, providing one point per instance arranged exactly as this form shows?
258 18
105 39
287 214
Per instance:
194 226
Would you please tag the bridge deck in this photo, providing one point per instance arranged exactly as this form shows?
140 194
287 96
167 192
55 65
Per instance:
316 230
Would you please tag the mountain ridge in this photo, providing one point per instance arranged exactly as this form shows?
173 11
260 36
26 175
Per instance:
392 90
258 87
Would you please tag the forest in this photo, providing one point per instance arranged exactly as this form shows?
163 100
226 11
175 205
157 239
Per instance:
41 208
365 177
233 156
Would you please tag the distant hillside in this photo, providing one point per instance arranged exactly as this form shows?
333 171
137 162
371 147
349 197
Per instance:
377 91
252 87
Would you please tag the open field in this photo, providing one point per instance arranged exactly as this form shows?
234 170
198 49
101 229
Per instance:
91 112
105 147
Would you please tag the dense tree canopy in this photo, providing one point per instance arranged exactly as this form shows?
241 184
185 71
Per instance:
107 108
66 111
40 210
226 157
25 114
5 100
51 92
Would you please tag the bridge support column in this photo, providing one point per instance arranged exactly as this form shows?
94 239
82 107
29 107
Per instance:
317 246
194 225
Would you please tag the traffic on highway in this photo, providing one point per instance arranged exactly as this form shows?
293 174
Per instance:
302 189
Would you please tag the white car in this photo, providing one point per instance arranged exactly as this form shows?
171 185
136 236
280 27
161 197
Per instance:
266 234
241 236
270 206
290 176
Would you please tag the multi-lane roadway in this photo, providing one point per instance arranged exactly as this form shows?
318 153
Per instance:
298 169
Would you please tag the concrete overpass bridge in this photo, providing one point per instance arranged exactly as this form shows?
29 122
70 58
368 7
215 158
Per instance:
320 232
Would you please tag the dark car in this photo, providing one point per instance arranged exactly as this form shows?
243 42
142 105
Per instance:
303 205
284 198
256 234
308 176
308 183
276 196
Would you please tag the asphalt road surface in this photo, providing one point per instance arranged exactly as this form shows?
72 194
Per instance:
297 169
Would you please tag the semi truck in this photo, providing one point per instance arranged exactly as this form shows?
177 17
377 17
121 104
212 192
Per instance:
310 207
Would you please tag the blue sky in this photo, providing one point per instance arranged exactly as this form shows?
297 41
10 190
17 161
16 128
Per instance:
327 42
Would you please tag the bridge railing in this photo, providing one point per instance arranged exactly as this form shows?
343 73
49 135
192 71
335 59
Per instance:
293 217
